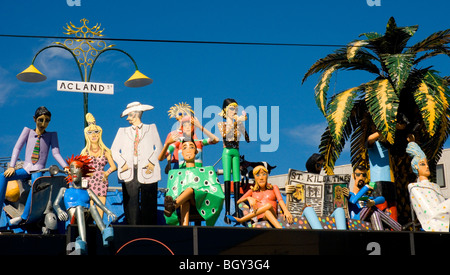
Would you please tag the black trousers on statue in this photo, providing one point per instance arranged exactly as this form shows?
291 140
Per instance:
140 202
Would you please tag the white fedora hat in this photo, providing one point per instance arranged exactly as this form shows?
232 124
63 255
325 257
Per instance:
136 107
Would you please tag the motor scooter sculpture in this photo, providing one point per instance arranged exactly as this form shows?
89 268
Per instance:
44 191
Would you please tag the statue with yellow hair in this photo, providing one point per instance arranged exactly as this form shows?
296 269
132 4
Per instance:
101 156
178 111
263 198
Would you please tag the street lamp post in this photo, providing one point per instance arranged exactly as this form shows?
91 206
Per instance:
85 52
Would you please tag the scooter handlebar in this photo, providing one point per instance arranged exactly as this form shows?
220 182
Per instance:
53 170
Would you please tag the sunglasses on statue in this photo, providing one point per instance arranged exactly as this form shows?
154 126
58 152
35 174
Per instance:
42 120
93 132
359 174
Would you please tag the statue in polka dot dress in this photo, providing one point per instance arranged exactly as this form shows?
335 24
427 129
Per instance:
193 186
427 200
100 156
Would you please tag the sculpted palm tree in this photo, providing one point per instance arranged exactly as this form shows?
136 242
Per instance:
402 90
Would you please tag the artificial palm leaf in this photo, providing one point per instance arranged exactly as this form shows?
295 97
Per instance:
361 61
440 85
432 147
358 149
446 80
330 150
399 67
397 37
325 63
432 99
371 35
353 47
394 40
382 103
361 132
434 41
434 52
424 97
321 88
339 111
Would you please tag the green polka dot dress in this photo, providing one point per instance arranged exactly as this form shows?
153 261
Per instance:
208 192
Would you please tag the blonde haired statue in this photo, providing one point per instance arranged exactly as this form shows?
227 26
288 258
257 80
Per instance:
178 111
263 198
101 156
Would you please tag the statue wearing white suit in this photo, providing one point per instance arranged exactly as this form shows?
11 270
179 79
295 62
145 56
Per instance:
135 150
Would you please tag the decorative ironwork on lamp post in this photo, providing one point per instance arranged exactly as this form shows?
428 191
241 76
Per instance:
85 48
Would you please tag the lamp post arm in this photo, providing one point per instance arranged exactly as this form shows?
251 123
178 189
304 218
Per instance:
65 48
105 50
85 95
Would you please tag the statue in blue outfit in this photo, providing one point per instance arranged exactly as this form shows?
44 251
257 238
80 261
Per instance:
361 197
363 203
77 202
38 143
381 173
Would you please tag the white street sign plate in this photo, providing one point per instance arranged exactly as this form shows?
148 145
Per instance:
85 87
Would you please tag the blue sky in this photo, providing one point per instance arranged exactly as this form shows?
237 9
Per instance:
256 76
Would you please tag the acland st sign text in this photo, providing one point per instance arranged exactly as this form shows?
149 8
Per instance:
85 87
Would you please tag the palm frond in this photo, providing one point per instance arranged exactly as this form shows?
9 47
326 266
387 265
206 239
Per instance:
434 52
398 37
371 35
394 40
432 99
434 41
361 132
428 107
339 110
446 80
433 146
354 47
361 61
399 67
382 103
358 150
330 150
322 87
440 85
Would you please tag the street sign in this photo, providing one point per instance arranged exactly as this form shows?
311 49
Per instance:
85 87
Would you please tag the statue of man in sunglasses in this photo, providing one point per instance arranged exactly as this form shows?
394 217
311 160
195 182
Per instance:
38 143
360 197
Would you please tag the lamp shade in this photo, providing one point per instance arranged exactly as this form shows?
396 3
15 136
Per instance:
31 74
138 79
